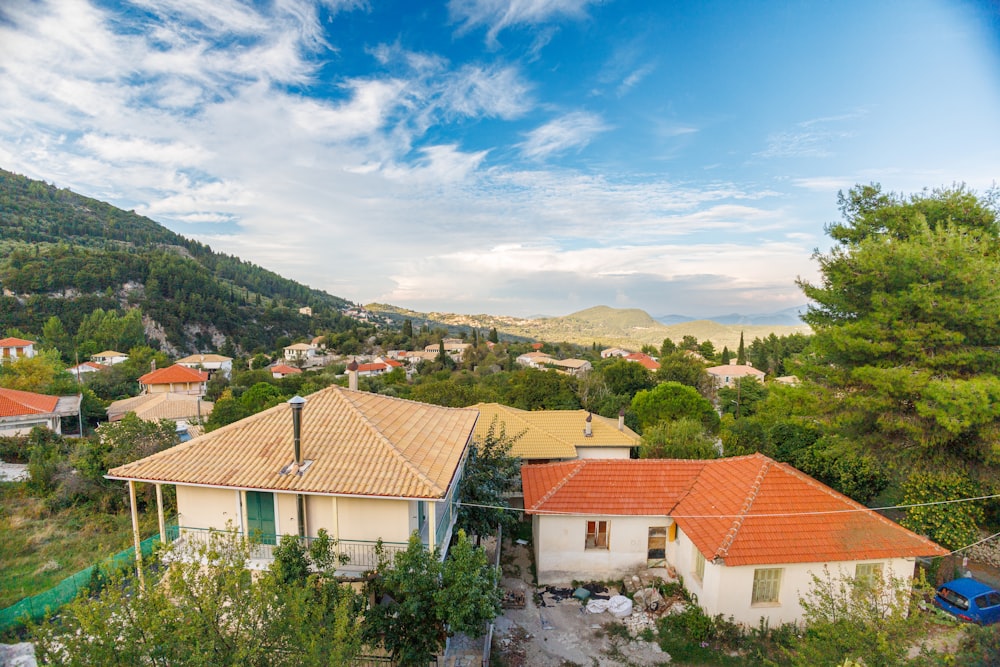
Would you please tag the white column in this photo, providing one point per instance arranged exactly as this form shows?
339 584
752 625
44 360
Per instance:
432 527
159 514
135 530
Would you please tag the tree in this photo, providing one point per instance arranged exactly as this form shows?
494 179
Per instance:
954 525
207 609
679 366
469 589
683 438
741 399
673 400
42 373
491 472
907 322
55 336
493 337
741 352
626 377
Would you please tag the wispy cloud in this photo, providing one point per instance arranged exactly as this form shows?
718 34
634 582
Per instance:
571 131
496 15
816 137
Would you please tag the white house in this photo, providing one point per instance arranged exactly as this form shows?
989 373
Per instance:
109 357
745 533
86 368
279 371
299 351
535 359
727 375
574 367
12 349
21 411
210 363
361 466
609 352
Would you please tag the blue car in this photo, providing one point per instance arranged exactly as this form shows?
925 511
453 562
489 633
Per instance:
969 600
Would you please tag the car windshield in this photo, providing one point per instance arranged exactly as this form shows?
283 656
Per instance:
953 598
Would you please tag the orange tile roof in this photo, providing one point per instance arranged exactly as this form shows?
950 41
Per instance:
284 369
174 374
747 510
647 361
14 403
360 444
374 366
15 342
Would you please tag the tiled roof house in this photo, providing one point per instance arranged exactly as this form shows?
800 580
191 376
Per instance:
175 379
745 533
370 467
21 411
15 348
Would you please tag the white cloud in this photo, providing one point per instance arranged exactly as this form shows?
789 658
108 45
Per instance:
571 131
496 15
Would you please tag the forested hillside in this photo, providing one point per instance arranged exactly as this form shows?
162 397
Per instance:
62 254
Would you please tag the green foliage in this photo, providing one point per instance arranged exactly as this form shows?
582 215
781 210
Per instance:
741 400
207 609
979 647
626 378
952 525
491 472
683 438
46 451
679 366
907 320
673 400
469 589
533 389
43 373
868 620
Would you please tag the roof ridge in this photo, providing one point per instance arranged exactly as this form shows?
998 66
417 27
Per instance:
577 468
730 537
380 437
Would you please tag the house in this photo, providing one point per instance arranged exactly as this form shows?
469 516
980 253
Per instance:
727 375
164 405
175 379
554 435
306 310
362 466
609 352
648 362
12 349
299 352
453 347
318 343
745 533
279 371
21 411
86 368
378 367
575 367
210 363
109 357
535 359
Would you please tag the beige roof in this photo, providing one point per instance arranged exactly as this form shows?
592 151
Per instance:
552 434
204 359
570 363
299 346
360 444
165 405
108 353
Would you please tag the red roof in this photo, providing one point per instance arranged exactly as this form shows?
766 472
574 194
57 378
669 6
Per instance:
14 403
15 342
175 374
284 369
376 366
746 510
644 359
393 363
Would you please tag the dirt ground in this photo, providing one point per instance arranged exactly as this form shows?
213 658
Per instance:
555 630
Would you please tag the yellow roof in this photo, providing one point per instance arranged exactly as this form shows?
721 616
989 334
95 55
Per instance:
552 434
359 443
108 353
204 359
164 405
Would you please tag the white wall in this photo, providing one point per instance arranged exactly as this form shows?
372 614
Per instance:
200 507
599 452
560 556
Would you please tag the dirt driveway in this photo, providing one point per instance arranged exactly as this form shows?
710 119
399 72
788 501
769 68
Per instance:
555 630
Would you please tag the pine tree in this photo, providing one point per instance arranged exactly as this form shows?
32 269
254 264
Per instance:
741 353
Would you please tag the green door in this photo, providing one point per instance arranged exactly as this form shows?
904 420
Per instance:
260 516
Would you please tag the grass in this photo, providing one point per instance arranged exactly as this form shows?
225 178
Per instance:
39 549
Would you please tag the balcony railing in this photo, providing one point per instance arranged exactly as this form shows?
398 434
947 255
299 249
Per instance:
361 555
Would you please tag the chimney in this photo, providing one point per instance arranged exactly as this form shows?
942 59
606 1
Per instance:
352 375
732 362
297 402
152 365
621 419
588 430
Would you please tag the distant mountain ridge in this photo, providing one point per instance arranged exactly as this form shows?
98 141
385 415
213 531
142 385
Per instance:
629 328
786 317
65 254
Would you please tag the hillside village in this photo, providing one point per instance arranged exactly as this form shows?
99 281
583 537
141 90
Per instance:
709 503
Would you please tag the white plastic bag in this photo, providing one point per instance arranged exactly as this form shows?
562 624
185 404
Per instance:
620 606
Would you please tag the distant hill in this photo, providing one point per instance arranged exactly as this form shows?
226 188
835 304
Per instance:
606 326
65 254
787 317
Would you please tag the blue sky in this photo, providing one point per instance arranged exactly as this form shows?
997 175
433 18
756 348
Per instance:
510 157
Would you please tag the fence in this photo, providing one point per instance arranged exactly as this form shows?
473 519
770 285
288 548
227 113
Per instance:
37 606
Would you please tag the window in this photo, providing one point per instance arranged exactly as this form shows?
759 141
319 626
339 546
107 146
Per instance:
991 599
699 564
766 585
955 599
597 535
868 573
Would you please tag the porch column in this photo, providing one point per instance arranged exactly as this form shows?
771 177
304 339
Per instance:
159 514
135 530
432 527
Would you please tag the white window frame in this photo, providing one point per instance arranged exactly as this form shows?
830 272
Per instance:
592 537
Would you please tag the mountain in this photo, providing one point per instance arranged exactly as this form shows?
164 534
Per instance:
787 317
606 326
65 254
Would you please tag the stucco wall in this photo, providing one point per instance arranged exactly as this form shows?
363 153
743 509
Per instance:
371 519
560 555
602 452
199 507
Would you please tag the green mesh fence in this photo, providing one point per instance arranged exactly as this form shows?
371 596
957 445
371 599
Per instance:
37 606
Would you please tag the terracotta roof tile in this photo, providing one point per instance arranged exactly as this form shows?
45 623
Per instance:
360 444
174 374
14 403
747 510
15 342
284 369
164 405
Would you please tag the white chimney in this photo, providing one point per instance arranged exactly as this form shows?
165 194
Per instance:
621 419
588 428
352 375
732 362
